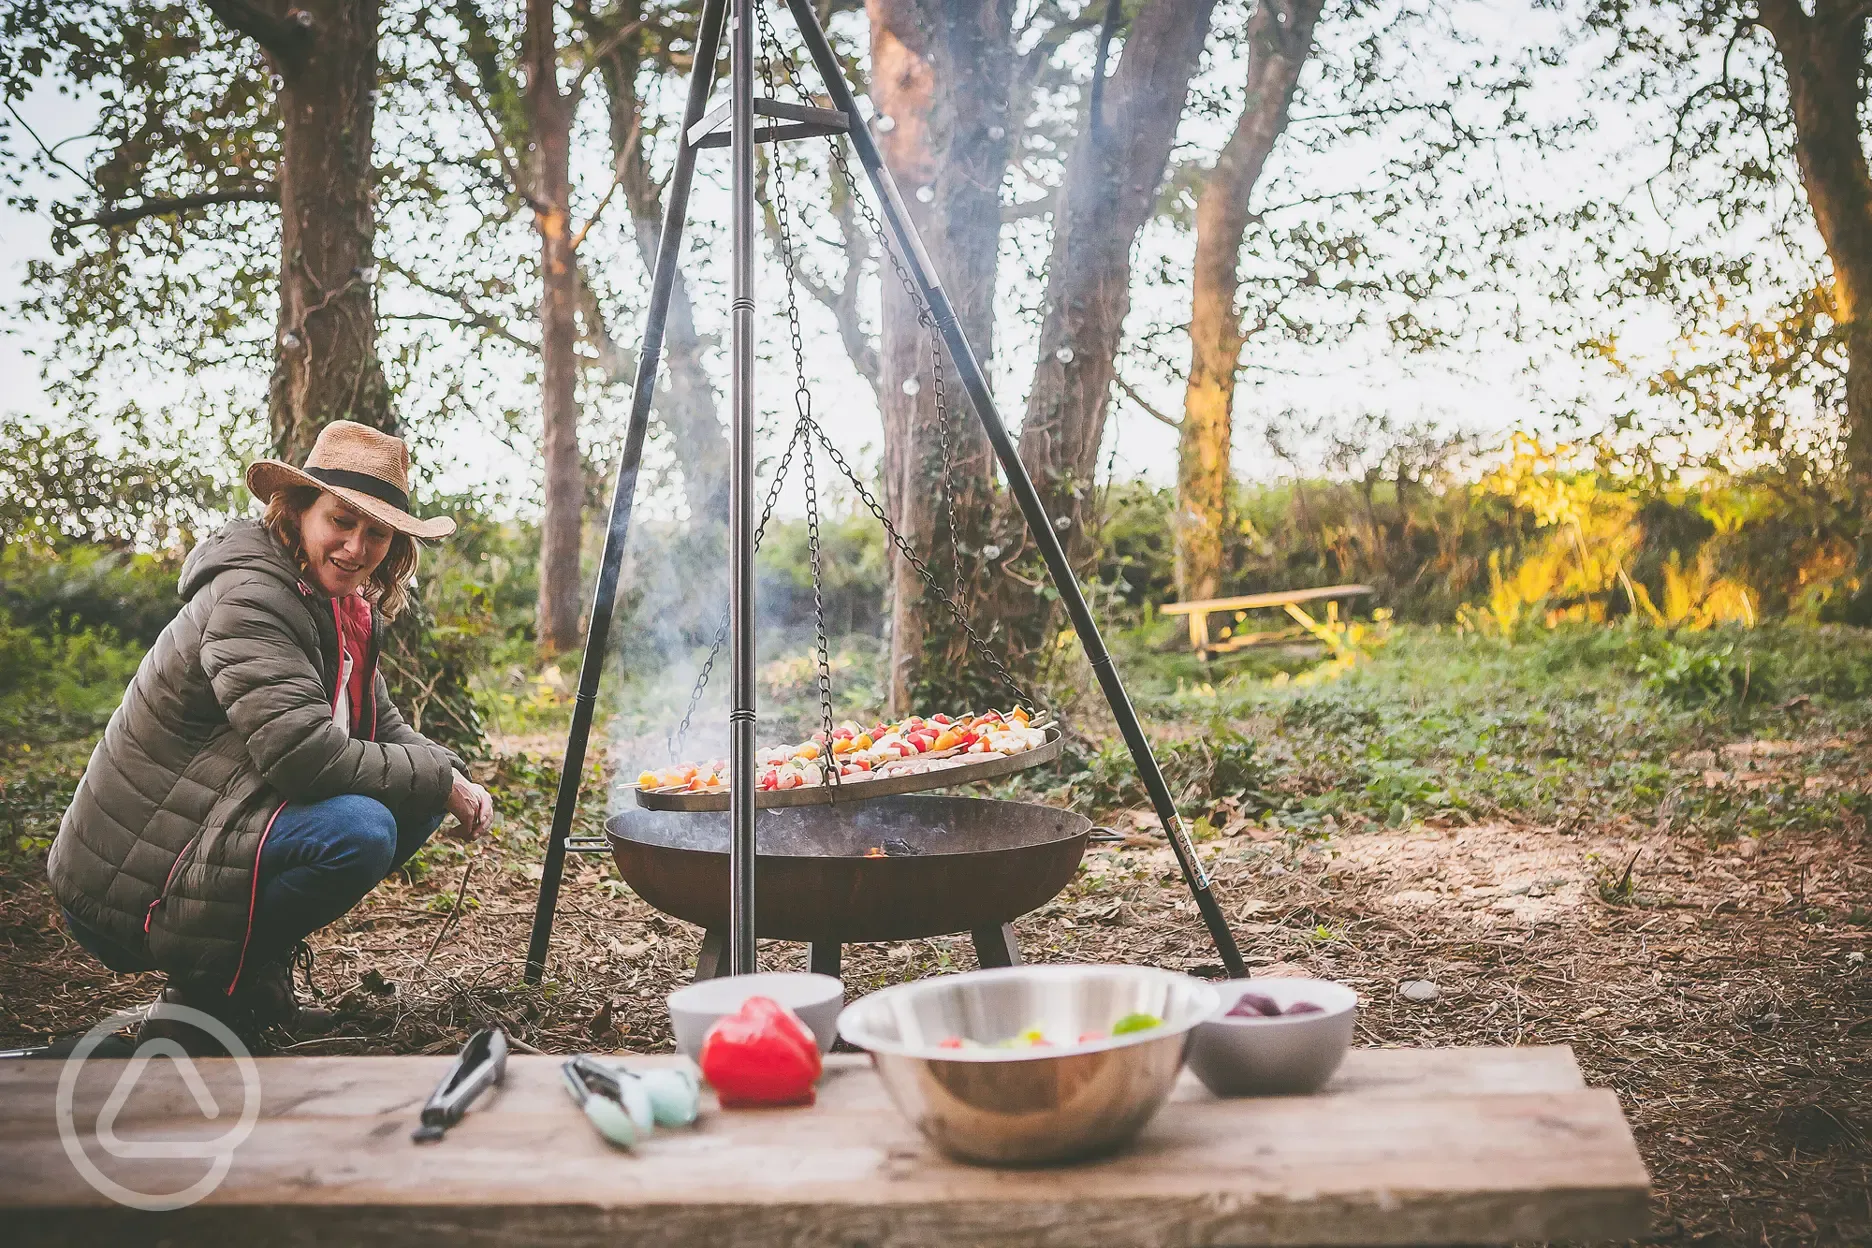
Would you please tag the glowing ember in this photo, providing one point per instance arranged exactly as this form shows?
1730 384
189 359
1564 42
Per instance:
876 851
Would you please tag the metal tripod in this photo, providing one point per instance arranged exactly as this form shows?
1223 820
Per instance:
781 121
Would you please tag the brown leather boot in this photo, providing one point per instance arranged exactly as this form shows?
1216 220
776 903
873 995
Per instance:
168 1024
266 992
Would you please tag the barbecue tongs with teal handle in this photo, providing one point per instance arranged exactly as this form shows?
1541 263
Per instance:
626 1105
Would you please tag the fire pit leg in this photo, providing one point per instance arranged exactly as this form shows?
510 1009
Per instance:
996 946
708 963
823 957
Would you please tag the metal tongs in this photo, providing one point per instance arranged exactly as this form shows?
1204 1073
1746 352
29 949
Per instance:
481 1064
625 1105
615 1103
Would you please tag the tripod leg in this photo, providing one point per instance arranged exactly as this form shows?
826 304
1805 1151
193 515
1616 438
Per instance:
604 595
824 957
708 963
996 946
1020 485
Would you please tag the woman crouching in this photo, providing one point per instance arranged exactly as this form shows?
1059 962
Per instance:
256 781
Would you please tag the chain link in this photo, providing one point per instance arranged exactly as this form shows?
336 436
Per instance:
675 743
948 469
922 570
828 765
802 398
807 430
925 317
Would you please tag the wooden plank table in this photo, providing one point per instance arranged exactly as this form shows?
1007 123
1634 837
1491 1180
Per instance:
1477 1145
1289 600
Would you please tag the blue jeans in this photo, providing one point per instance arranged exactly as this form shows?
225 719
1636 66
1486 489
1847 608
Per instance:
319 861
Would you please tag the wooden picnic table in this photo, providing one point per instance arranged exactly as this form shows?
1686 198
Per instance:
1290 600
1405 1146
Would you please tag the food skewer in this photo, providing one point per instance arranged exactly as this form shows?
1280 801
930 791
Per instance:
999 745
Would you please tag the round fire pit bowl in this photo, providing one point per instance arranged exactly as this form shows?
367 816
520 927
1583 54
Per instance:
893 868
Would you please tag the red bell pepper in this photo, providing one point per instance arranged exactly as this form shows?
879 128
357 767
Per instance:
761 1055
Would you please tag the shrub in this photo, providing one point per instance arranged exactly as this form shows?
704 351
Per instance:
1199 770
58 686
1696 677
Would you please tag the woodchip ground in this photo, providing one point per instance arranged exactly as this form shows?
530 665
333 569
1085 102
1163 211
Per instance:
1722 990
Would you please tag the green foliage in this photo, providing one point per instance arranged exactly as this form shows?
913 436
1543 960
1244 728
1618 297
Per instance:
73 627
131 595
1760 332
1560 730
1401 790
35 787
852 573
56 684
1201 770
59 489
449 659
1692 677
185 110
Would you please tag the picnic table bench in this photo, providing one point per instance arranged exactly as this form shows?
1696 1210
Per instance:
1404 1146
1290 600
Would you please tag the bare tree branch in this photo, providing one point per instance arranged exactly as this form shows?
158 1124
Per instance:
284 37
472 317
51 153
618 363
620 165
595 57
113 217
1026 210
1135 397
466 94
842 302
472 321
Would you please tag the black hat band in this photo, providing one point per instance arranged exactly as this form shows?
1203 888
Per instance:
363 483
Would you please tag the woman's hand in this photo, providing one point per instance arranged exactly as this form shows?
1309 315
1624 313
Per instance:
471 805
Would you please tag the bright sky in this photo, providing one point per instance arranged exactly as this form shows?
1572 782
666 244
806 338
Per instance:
1488 384
25 237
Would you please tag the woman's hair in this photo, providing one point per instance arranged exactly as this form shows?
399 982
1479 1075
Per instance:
388 586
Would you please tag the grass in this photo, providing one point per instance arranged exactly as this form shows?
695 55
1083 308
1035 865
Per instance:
1647 847
1570 727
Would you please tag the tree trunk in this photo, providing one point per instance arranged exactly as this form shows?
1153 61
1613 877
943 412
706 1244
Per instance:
1280 35
1109 193
1824 57
549 122
325 364
942 71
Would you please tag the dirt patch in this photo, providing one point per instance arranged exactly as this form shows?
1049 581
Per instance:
1722 992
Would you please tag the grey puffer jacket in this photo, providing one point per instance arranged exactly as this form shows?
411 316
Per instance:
228 719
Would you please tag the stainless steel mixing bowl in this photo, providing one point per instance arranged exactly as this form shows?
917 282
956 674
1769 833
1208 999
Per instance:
1032 1105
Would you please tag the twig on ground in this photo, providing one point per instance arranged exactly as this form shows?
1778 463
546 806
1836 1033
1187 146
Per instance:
454 912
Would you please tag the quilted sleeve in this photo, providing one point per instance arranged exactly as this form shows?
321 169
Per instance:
393 729
266 683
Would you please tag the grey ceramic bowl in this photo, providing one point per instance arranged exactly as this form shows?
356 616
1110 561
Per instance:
1031 1105
817 999
1275 1056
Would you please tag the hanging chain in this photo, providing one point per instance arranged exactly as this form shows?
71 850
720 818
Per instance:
802 400
948 473
807 430
922 570
828 765
675 743
876 227
925 317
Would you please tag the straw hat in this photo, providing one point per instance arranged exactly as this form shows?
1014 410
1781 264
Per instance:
365 467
